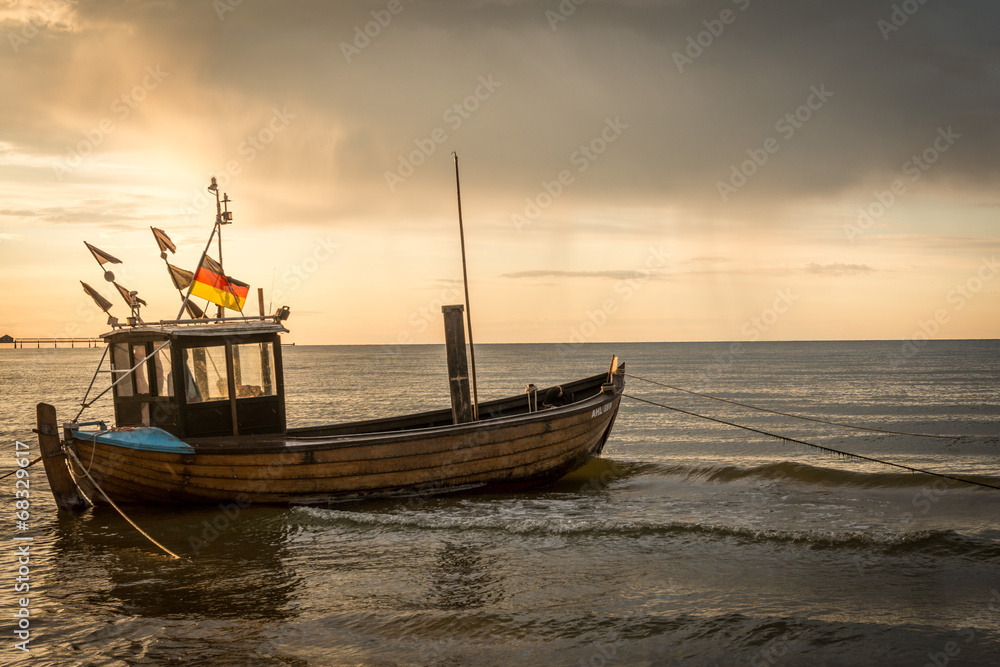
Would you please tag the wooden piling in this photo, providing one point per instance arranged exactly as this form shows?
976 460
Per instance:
458 364
260 301
67 494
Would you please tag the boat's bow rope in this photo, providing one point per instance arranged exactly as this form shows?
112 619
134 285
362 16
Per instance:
6 475
69 451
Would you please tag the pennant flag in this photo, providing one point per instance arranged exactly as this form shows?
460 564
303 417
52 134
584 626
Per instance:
102 259
210 283
163 241
101 256
132 302
182 279
104 304
194 311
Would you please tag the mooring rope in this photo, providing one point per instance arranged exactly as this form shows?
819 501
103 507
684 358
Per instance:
788 414
831 450
5 476
112 503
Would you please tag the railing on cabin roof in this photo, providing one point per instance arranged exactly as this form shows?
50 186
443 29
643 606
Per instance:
205 320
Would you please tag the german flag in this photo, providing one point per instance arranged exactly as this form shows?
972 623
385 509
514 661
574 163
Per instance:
210 283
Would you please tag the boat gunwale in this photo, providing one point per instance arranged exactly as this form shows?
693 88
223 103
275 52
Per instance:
291 443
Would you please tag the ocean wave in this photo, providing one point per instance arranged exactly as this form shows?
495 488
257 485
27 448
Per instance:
929 542
796 473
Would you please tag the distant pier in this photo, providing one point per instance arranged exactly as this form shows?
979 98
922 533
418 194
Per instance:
51 342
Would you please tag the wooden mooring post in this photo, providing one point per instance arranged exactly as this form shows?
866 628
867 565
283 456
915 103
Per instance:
458 364
67 494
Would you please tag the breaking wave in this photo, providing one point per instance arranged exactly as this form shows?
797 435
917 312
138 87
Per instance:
795 473
929 542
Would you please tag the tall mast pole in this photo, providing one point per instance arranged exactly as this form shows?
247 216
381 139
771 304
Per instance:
218 225
465 279
201 259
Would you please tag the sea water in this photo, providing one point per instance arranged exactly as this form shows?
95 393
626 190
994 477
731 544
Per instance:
688 542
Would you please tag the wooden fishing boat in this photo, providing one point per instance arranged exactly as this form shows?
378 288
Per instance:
203 421
200 414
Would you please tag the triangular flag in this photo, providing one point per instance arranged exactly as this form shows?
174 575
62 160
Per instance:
194 311
163 240
104 304
101 256
132 302
182 279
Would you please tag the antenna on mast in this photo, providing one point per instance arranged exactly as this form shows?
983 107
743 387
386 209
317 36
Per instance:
222 217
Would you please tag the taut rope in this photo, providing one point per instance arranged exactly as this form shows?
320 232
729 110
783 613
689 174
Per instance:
821 447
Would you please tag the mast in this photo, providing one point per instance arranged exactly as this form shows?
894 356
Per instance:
220 220
201 259
223 216
465 279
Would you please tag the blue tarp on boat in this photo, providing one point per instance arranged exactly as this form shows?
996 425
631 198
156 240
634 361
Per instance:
148 438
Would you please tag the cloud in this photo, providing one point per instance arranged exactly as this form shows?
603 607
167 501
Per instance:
25 18
837 269
830 269
554 273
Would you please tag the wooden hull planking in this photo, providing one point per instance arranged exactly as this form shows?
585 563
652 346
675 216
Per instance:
504 453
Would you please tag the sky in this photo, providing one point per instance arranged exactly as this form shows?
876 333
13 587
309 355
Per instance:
631 170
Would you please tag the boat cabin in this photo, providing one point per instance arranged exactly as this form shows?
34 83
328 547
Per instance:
202 378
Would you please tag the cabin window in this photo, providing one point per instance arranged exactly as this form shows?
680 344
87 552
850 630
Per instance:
142 372
164 379
253 369
205 374
122 363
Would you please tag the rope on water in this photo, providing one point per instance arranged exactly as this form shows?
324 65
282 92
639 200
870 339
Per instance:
112 503
788 414
5 476
838 452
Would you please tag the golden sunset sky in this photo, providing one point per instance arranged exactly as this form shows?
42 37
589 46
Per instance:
632 170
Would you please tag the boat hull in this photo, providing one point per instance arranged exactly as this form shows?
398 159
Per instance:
508 452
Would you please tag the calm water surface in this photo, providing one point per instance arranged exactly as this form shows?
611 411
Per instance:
688 543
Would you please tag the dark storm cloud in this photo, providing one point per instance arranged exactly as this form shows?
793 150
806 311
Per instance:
393 103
